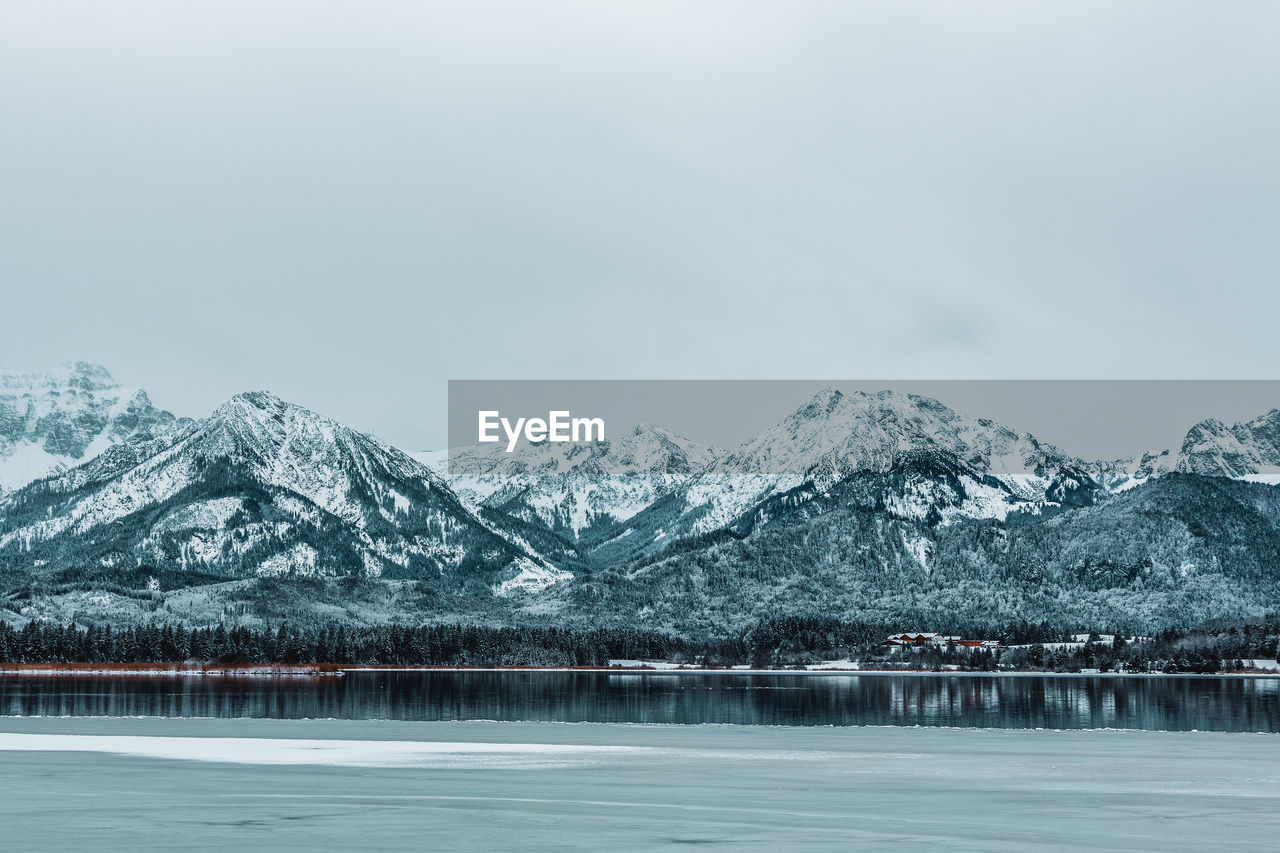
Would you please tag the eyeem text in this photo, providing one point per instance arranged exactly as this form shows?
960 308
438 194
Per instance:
558 426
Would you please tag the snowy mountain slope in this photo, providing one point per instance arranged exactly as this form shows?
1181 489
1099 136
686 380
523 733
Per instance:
1176 550
55 420
436 460
1123 474
578 491
259 488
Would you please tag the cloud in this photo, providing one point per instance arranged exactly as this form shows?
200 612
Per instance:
351 203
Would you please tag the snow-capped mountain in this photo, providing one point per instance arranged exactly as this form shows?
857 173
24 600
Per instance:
835 435
1177 550
883 505
579 491
1249 450
260 488
54 420
947 464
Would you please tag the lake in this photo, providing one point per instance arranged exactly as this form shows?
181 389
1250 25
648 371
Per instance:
1160 703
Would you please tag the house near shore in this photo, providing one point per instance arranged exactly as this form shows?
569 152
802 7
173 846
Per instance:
909 639
928 638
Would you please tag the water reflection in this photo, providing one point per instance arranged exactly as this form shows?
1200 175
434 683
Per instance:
1163 703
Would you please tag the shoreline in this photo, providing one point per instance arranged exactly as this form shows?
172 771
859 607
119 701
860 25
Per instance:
177 669
338 670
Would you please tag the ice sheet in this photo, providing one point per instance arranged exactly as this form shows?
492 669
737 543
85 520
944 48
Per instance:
552 786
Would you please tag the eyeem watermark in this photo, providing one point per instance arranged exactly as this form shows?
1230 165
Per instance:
559 426
846 422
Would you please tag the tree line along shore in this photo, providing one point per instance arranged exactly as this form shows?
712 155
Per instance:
791 642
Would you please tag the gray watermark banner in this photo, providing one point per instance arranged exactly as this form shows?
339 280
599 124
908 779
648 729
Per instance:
764 427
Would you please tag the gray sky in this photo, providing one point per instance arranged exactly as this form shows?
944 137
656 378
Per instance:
350 203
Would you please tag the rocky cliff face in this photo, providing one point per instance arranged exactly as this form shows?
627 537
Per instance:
1241 450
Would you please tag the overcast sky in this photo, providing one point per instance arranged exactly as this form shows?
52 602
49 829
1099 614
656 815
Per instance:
350 203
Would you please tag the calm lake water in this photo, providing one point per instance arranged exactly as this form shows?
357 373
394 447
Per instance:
1055 702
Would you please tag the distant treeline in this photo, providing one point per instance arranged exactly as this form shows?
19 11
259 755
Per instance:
440 645
768 643
1202 650
781 642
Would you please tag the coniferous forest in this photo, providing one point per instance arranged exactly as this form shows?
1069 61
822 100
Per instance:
437 645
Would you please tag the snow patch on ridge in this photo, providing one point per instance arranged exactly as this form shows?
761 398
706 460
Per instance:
298 560
531 577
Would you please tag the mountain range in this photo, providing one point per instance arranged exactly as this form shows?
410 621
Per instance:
880 506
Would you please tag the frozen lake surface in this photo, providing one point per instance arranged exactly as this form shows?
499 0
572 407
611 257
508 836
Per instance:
209 783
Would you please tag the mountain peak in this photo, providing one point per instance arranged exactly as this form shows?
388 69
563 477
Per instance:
260 424
823 403
252 404
75 375
88 374
835 435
